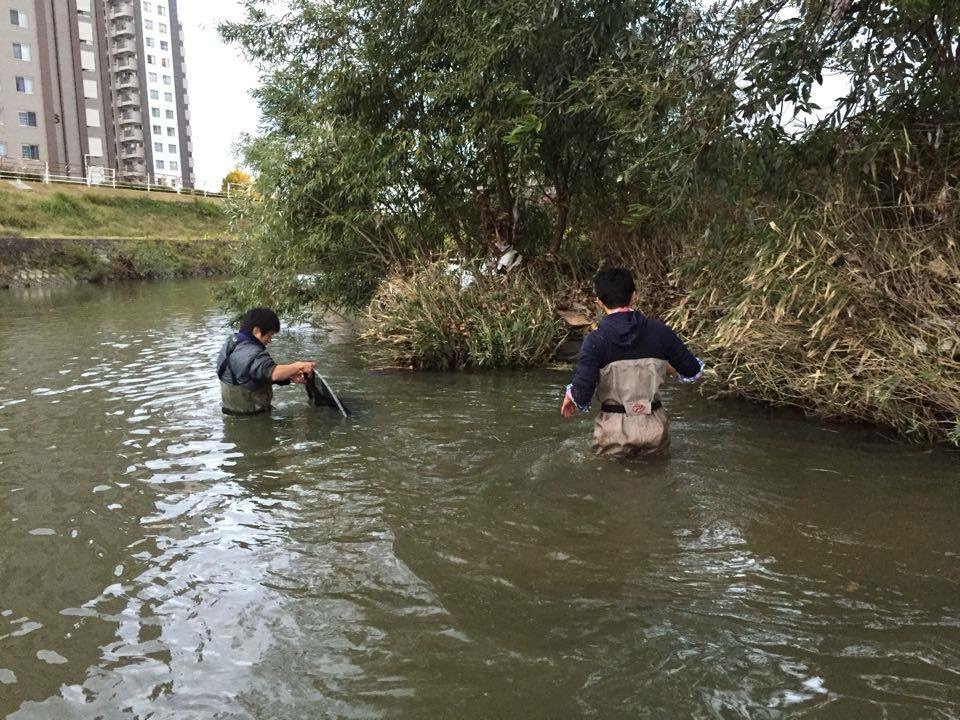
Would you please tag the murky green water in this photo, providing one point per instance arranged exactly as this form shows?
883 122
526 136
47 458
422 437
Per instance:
454 551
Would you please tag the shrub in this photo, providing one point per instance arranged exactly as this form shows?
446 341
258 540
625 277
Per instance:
425 318
84 262
152 259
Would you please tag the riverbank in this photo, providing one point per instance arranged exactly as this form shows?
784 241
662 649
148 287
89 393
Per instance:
33 262
838 316
61 234
34 210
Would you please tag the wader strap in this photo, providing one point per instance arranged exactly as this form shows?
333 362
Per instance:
226 361
231 346
614 408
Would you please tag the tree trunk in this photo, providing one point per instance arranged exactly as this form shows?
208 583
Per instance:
563 213
504 215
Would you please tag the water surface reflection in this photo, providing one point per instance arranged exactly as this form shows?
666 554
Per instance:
453 551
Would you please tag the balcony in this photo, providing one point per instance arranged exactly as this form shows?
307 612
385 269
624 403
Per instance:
131 117
124 46
121 10
127 81
132 133
123 29
132 151
129 100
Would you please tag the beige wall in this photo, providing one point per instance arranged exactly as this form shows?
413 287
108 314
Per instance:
11 101
68 34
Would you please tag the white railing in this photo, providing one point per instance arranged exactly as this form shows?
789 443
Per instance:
43 172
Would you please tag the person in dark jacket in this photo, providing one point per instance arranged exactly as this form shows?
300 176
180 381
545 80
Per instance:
247 372
625 360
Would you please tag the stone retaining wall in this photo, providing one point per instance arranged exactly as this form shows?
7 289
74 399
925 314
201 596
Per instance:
45 262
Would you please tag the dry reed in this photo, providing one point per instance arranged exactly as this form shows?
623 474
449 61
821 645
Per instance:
838 313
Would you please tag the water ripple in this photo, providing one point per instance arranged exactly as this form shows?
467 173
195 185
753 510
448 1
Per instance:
453 551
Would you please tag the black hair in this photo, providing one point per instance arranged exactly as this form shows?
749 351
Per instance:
263 318
614 287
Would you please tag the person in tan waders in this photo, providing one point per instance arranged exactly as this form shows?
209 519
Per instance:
625 360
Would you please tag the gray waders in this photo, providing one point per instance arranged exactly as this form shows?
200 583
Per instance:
238 400
632 420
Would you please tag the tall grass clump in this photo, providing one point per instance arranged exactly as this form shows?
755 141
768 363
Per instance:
432 317
60 205
841 310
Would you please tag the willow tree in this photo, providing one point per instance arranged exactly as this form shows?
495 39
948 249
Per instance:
395 128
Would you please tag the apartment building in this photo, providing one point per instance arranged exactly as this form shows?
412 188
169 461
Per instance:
76 127
87 83
144 43
23 121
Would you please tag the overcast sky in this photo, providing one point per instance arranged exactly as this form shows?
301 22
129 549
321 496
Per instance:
219 83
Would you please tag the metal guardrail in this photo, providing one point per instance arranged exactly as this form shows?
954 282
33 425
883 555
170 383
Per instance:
36 171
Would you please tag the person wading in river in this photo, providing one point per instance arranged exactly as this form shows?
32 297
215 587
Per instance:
625 360
247 372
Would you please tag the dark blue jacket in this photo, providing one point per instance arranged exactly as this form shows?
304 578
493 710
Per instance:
628 336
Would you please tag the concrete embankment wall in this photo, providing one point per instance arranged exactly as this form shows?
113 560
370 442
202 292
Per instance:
33 262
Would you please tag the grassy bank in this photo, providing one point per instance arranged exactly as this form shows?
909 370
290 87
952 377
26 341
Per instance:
66 211
839 310
54 233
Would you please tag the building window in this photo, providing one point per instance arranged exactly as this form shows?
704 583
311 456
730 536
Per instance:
25 85
164 45
169 114
174 165
156 129
171 132
149 41
163 27
30 152
164 62
154 94
167 80
148 24
18 18
160 165
3 148
152 76
148 7
168 97
21 51
158 147
155 112
27 118
151 60
172 149
161 9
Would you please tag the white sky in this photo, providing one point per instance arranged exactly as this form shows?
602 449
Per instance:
219 81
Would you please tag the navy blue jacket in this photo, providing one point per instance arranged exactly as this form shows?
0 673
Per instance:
628 336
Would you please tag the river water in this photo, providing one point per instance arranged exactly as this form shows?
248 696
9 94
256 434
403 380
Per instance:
454 550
